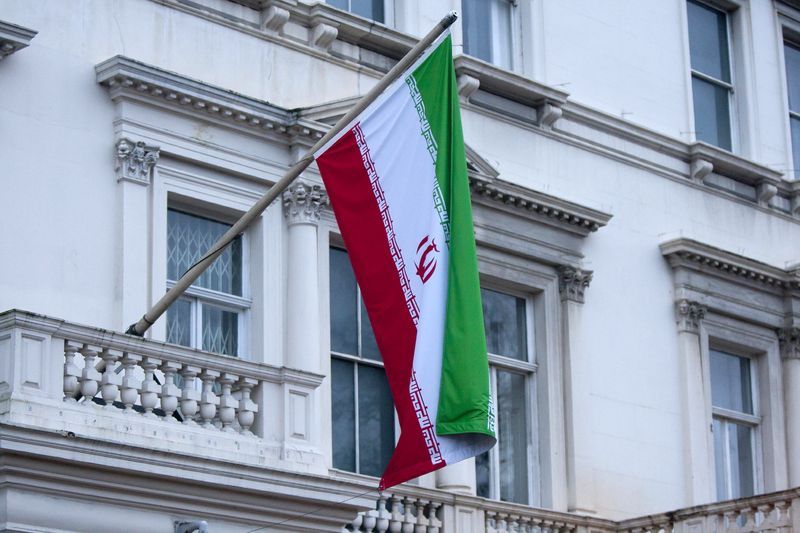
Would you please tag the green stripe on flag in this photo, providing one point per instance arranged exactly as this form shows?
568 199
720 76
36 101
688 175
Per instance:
464 401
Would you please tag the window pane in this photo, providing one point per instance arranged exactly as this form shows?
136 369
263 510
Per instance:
483 475
343 414
371 9
720 462
505 324
220 330
512 414
375 420
344 321
730 382
369 346
477 28
341 4
712 122
796 144
501 33
792 55
741 451
708 41
189 237
179 323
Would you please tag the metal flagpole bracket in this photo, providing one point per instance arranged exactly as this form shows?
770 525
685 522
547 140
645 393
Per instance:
159 308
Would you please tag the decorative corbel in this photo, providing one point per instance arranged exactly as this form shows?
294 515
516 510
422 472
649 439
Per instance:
547 114
701 168
467 86
135 161
764 192
322 35
274 18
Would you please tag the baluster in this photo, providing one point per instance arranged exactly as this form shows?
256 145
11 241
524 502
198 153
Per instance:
227 403
169 391
370 520
130 385
208 400
422 521
357 521
547 525
383 515
71 371
501 522
433 517
513 523
490 521
246 414
90 377
396 521
408 515
150 389
781 515
111 380
190 396
525 525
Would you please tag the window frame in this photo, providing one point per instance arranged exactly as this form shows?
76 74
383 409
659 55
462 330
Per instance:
760 345
200 296
515 51
336 241
528 369
729 11
388 12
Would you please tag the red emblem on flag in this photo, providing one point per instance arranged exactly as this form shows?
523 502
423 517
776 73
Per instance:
426 258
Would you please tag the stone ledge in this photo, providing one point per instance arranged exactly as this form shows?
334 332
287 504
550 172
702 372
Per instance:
14 38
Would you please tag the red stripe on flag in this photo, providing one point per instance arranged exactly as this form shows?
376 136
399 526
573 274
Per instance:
362 226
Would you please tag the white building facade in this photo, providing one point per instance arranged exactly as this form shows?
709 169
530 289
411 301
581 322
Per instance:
636 196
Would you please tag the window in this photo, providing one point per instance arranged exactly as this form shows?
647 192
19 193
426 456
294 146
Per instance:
210 314
503 471
489 30
734 424
712 88
372 9
362 408
792 56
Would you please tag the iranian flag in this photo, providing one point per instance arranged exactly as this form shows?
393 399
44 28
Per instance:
397 180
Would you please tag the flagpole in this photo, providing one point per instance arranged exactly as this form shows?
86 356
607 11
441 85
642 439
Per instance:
155 312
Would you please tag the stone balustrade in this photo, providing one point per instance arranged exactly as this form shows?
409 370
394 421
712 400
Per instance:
93 383
442 512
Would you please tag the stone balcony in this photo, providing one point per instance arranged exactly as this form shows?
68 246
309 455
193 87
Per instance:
97 398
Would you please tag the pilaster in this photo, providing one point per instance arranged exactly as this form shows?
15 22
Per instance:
135 167
572 284
697 438
789 339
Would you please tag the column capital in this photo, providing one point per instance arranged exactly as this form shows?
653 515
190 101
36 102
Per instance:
688 315
789 339
572 283
303 202
135 161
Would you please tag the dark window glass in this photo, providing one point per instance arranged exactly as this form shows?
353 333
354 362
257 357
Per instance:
375 420
505 324
792 55
344 304
512 416
708 41
476 26
483 475
179 323
796 144
220 330
711 113
343 413
371 9
730 382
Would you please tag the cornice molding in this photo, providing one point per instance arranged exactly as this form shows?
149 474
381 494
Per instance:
564 214
127 78
14 38
695 255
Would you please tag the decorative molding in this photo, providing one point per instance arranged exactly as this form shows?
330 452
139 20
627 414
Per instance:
689 314
274 18
128 78
322 35
495 80
14 38
135 161
478 166
698 256
789 339
572 283
303 202
467 85
550 209
699 169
